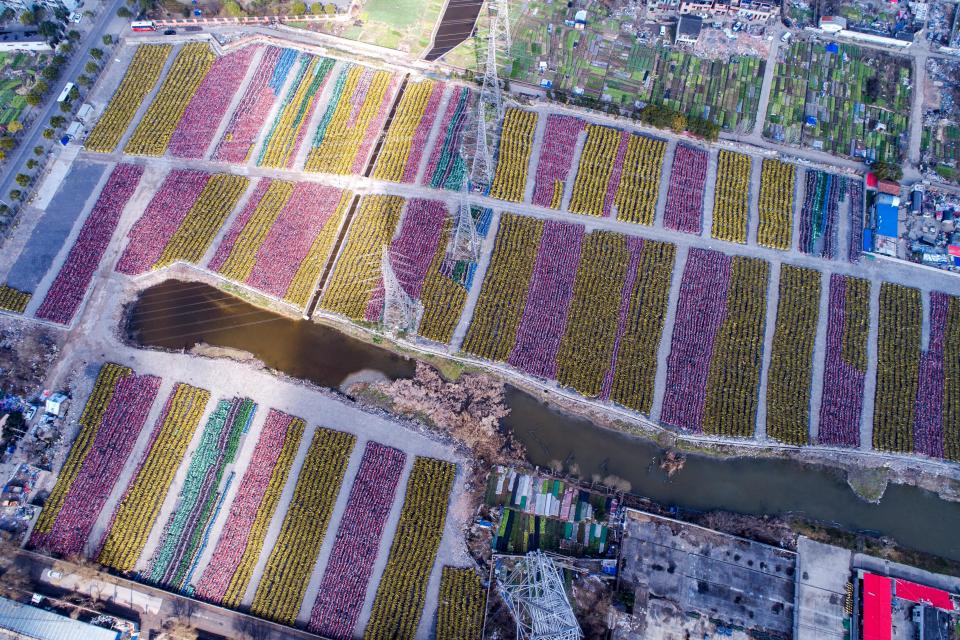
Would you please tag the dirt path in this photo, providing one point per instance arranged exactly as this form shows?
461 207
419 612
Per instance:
663 353
773 301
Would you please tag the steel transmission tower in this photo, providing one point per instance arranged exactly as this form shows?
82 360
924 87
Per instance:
534 592
400 311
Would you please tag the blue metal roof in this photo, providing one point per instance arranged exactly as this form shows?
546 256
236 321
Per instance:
45 625
887 220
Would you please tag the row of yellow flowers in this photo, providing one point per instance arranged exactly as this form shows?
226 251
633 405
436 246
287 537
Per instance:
403 587
110 374
141 76
898 367
357 270
194 235
460 609
13 299
503 295
633 377
731 197
442 298
152 135
258 532
284 582
951 380
513 156
636 198
308 273
597 160
775 204
791 360
138 509
397 144
588 341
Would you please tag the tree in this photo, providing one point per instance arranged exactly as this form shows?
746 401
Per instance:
3 155
51 72
38 150
15 126
107 40
233 9
96 54
49 29
26 18
61 13
66 106
123 12
330 9
22 179
34 99
298 8
65 47
57 121
49 133
73 34
7 143
84 81
887 171
7 15
317 9
32 163
58 60
91 67
15 194
73 94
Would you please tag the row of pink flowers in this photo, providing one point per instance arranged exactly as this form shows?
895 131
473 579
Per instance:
243 511
115 439
544 317
163 216
928 413
688 175
422 133
199 123
842 402
230 239
616 173
354 552
70 286
248 118
556 156
446 166
856 220
412 251
635 247
701 311
290 238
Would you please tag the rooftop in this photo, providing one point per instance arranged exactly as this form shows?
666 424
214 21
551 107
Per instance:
46 625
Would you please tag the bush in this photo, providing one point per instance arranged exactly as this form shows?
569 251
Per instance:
331 10
48 133
298 8
38 150
107 40
233 9
96 54
22 179
123 12
57 121
91 67
15 194
15 127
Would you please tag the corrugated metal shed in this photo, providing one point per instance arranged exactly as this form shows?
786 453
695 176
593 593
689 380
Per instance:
44 625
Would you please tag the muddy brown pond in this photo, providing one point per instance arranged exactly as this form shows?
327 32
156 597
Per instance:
178 315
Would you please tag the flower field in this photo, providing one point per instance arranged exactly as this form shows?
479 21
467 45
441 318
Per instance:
598 173
344 585
856 220
639 184
357 270
251 114
138 508
139 80
688 177
775 204
556 158
513 155
155 129
287 572
288 128
503 295
544 316
356 112
70 286
442 296
643 309
928 412
446 165
463 600
588 342
403 588
731 197
846 361
412 251
402 149
951 382
898 362
178 549
228 574
733 384
791 358
13 299
819 213
236 255
200 120
109 426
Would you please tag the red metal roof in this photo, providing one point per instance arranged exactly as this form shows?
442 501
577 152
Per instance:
871 180
888 186
923 594
877 607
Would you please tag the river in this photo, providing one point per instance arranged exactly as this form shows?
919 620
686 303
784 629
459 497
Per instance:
178 315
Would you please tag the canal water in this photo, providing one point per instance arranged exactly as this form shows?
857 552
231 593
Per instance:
178 315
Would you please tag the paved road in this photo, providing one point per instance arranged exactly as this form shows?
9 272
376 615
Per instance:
107 19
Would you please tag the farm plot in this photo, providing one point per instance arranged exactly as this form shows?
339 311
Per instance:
951 382
513 155
731 197
354 116
688 176
819 213
446 166
599 171
463 600
556 158
842 99
399 158
898 368
775 204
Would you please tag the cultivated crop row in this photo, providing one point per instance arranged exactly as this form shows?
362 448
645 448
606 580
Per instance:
855 246
399 158
639 184
951 383
898 362
13 299
443 298
513 155
556 157
775 203
688 176
599 170
819 213
462 602
446 166
928 412
731 197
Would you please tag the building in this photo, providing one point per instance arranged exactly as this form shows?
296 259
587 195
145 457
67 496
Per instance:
833 24
580 19
24 621
688 29
882 599
55 404
889 187
20 41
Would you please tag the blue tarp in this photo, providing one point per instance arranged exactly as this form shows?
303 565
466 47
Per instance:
887 220
832 48
811 121
868 239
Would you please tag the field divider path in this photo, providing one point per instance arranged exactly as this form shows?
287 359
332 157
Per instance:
870 379
148 100
666 172
432 138
234 103
843 228
535 152
663 352
765 88
275 109
486 252
319 108
753 202
799 192
819 358
773 303
709 187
